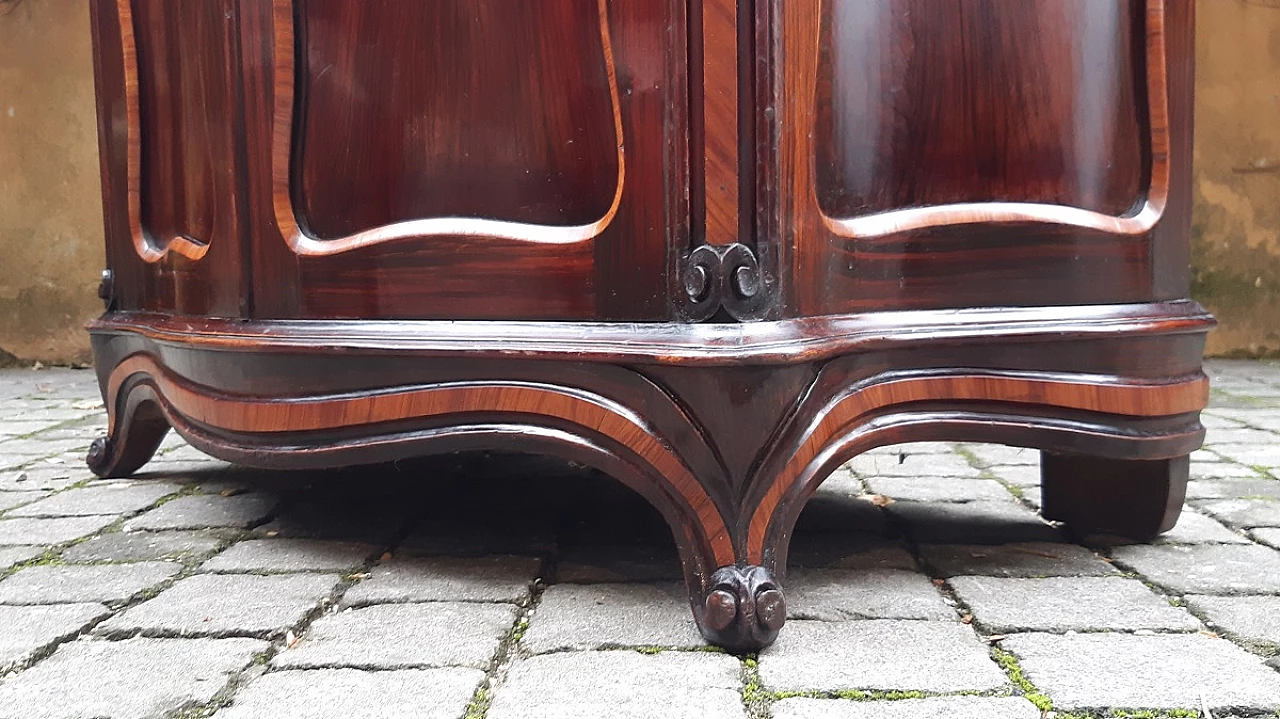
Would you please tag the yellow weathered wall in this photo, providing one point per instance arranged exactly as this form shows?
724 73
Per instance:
50 207
51 226
1236 220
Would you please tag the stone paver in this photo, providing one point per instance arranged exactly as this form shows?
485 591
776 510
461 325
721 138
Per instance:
596 616
945 489
423 579
972 523
144 546
913 465
27 630
226 605
879 655
49 531
935 708
840 594
198 511
621 685
1246 513
10 556
1060 604
1020 559
1251 619
401 636
1206 568
136 679
619 563
107 498
355 694
290 555
433 615
1169 671
106 583
10 500
1270 537
1233 488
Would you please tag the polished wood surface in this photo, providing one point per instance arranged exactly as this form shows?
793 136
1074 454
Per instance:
713 248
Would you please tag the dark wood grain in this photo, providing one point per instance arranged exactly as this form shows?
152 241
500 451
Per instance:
714 249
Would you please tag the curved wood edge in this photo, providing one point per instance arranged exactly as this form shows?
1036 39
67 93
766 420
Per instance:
830 426
781 342
148 248
267 417
304 244
1136 223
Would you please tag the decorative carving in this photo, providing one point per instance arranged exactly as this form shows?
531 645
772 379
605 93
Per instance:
725 277
744 609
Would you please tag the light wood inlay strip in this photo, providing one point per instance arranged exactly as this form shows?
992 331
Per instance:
264 416
1134 400
720 116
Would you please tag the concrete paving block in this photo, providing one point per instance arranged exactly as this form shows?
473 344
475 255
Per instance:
178 545
621 685
403 636
1059 604
1020 559
24 631
1206 568
881 655
72 583
934 708
135 679
939 489
226 605
290 555
25 530
840 594
1020 475
597 616
1222 471
1161 671
424 579
199 511
972 523
1255 620
107 498
43 477
354 694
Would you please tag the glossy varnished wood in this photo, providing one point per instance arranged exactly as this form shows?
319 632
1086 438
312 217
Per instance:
712 248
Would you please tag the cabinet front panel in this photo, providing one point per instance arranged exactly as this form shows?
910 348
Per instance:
167 79
976 152
465 158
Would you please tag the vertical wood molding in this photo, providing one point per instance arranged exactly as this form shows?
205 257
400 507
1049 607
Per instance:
720 117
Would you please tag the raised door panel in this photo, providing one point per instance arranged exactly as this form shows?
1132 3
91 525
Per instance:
464 158
953 153
168 92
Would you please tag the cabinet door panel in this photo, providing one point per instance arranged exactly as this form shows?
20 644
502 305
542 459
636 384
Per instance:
464 158
978 152
168 92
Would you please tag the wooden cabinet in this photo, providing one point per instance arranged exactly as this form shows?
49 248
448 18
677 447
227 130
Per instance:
713 248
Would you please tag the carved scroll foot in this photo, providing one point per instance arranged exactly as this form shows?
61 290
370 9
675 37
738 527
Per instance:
743 610
132 442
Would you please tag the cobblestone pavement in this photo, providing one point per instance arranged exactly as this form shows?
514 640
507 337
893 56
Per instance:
479 586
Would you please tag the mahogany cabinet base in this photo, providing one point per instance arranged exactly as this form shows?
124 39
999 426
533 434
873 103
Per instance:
727 429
